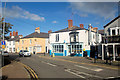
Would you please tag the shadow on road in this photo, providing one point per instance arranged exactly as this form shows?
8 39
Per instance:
8 60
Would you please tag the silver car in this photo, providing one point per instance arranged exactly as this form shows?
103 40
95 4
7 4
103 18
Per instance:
24 53
5 54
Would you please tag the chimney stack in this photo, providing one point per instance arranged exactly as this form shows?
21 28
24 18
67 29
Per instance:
49 31
37 29
10 34
16 33
70 23
20 36
81 26
95 29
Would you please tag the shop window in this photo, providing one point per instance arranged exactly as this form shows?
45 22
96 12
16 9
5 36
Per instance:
58 48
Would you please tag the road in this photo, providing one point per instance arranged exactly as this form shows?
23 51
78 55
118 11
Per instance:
48 67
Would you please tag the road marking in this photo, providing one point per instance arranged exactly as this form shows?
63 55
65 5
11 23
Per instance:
115 68
112 77
68 70
34 75
77 73
96 69
48 63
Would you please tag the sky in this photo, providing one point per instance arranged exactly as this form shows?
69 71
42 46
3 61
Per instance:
26 16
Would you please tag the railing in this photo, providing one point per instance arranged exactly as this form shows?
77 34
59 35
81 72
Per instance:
111 39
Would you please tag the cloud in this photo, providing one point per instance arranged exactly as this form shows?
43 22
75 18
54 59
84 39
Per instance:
17 12
102 9
54 22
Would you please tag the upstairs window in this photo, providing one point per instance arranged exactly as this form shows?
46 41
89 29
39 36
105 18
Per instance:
57 37
113 32
22 41
74 37
118 31
30 41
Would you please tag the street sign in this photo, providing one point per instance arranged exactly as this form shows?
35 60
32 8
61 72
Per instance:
3 43
3 46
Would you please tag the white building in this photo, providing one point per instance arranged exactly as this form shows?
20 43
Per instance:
10 43
73 40
111 39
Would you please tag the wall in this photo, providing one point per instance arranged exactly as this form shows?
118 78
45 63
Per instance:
38 42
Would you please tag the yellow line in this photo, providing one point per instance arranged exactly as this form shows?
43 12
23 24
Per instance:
80 63
31 71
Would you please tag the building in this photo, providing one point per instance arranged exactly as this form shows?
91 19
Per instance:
73 40
10 43
111 39
36 42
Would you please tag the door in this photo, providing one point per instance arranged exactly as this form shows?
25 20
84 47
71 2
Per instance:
38 49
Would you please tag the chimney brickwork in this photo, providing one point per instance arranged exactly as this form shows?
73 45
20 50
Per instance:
70 23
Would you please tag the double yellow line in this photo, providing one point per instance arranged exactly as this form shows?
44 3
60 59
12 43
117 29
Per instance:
32 73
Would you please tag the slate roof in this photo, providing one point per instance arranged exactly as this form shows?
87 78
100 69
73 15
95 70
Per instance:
14 39
112 21
37 35
69 29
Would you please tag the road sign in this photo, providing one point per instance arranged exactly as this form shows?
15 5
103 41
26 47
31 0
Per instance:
3 43
3 46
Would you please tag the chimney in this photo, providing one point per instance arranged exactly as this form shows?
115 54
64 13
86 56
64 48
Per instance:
20 36
81 26
70 23
95 29
37 29
16 33
10 34
49 31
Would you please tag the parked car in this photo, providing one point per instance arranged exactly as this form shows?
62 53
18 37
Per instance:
24 53
5 54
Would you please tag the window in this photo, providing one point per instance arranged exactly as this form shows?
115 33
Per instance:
22 48
118 31
13 42
26 48
93 36
10 43
14 49
113 32
18 48
35 40
58 48
22 41
57 37
74 37
30 41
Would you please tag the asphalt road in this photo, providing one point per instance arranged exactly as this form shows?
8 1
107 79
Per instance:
46 67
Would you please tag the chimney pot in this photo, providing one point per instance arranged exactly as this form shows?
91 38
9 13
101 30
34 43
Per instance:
14 33
81 26
70 23
49 31
10 34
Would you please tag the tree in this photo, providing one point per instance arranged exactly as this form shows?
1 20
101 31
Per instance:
8 26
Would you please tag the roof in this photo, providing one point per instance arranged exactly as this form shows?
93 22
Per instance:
112 21
69 29
13 39
37 35
101 31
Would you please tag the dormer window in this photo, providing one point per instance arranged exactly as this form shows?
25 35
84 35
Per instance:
74 37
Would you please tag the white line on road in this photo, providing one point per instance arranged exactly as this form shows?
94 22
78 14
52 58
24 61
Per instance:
68 70
77 73
48 63
95 69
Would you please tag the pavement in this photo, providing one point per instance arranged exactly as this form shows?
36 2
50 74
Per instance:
14 70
